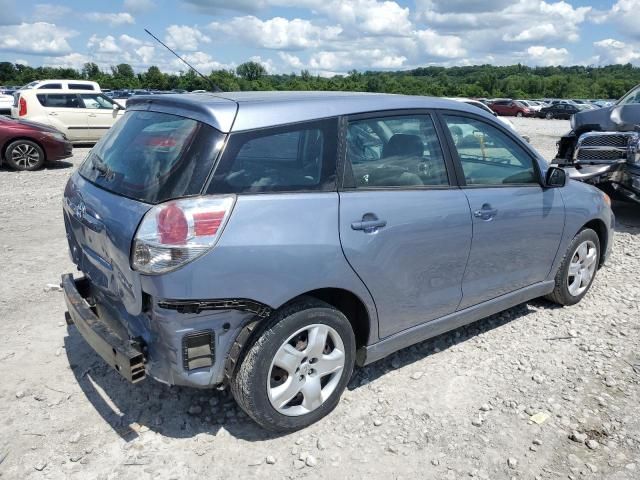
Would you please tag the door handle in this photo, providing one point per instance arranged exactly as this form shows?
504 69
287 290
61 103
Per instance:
53 114
92 115
370 223
486 212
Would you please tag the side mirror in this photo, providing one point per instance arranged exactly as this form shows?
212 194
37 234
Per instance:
556 178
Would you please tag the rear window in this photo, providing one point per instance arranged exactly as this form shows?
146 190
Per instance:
153 157
51 86
59 100
299 157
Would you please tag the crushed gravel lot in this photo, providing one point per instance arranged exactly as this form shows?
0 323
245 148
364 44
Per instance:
535 392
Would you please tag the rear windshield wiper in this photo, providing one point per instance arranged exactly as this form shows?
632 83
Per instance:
103 170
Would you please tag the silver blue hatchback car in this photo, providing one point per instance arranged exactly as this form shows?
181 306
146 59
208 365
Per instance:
271 241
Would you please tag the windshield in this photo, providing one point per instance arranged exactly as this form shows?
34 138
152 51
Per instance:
631 97
153 157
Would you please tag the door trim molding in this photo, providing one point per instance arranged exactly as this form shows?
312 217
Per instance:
433 328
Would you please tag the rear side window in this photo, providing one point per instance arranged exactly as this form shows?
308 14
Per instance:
153 157
51 86
298 157
81 86
59 100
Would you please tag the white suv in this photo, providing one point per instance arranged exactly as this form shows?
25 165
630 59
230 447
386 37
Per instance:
63 85
83 116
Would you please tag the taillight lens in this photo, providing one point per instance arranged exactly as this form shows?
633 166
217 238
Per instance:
22 107
174 233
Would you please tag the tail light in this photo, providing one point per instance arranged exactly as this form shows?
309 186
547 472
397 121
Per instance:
174 233
22 107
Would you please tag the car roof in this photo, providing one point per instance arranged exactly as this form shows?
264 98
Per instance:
264 109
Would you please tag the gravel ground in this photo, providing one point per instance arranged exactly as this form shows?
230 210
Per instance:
536 392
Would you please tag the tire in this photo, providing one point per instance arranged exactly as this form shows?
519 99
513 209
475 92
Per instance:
519 114
288 334
548 115
24 155
566 291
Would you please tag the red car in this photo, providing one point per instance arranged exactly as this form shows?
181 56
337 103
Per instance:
28 145
511 108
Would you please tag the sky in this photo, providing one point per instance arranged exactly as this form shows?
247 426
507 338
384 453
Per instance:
326 37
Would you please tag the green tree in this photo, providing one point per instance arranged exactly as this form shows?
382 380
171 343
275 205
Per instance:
251 71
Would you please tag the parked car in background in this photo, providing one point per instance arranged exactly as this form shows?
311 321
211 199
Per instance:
6 102
510 108
27 145
62 85
559 110
82 116
166 219
532 105
484 107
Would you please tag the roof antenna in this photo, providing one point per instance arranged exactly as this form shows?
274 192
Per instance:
213 86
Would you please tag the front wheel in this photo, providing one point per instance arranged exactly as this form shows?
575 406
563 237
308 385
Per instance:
578 269
296 370
548 115
519 114
24 155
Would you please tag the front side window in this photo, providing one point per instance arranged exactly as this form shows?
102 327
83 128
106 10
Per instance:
489 156
401 151
59 100
96 101
282 159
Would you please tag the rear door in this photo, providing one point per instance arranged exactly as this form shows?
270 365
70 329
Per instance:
101 114
65 111
404 226
517 224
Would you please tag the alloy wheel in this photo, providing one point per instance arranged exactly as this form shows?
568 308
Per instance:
306 370
582 268
25 155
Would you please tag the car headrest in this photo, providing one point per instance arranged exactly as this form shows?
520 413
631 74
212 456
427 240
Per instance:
402 144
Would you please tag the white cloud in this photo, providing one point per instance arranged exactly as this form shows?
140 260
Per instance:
113 19
434 44
610 51
291 60
103 44
215 6
35 38
131 41
545 56
72 60
623 15
146 53
370 16
182 37
266 63
276 33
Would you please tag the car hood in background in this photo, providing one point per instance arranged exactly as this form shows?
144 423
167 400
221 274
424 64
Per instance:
600 119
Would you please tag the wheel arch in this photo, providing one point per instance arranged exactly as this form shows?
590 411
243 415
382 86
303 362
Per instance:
350 305
600 228
5 146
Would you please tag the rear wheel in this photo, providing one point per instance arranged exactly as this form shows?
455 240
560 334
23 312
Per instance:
548 115
296 370
519 114
24 155
578 269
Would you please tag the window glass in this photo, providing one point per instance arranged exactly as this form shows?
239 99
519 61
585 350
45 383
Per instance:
489 156
290 158
59 100
81 86
96 101
51 86
395 152
153 157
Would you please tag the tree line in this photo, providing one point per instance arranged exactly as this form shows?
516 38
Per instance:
513 81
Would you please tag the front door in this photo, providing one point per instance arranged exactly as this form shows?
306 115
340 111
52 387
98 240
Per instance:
517 224
100 114
404 228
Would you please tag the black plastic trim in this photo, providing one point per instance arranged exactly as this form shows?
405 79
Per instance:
196 306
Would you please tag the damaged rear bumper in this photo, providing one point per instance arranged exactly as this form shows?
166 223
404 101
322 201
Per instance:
124 355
